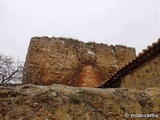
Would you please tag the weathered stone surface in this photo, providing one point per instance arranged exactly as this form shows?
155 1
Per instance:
140 73
72 62
58 102
147 75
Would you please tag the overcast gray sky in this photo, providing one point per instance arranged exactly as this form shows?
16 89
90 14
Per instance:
134 23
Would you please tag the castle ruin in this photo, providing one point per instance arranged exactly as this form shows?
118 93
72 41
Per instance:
72 62
140 73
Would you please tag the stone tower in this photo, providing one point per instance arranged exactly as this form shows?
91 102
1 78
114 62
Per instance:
72 62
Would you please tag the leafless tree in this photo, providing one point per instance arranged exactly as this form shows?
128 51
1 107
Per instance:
10 70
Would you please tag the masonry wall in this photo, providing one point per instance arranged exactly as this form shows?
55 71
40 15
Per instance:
72 62
147 75
59 102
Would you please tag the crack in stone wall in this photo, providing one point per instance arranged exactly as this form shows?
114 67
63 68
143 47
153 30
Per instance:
114 56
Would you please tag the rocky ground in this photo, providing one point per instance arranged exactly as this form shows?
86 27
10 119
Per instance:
59 102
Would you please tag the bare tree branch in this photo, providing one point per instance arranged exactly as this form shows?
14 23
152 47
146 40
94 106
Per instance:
10 69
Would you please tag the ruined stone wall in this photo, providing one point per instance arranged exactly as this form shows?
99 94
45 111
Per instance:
58 102
147 75
72 62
